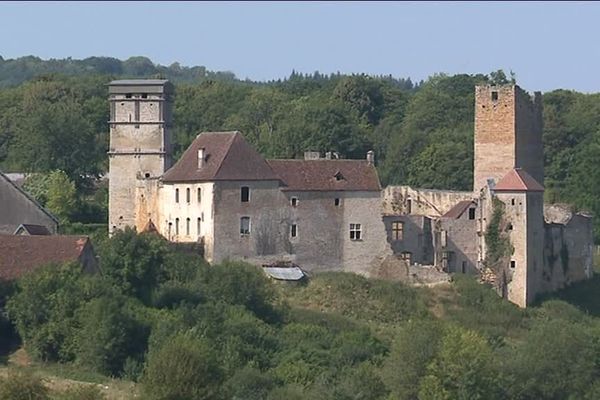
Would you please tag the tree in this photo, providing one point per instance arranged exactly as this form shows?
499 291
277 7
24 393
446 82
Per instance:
61 195
184 368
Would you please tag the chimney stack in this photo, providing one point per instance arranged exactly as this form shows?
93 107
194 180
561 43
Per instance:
200 158
312 155
371 157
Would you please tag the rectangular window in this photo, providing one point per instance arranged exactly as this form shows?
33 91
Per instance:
112 111
336 202
494 96
463 268
513 264
176 195
176 226
408 206
245 226
355 232
406 256
294 230
137 111
245 194
187 195
199 227
187 227
294 201
397 230
199 194
471 213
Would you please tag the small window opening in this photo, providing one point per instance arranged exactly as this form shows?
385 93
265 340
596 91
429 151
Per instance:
337 202
294 201
245 226
187 195
144 95
128 96
408 206
147 174
397 230
509 227
177 226
187 227
338 176
463 267
471 213
293 230
355 232
199 195
406 256
513 264
512 202
245 194
494 96
199 226
176 195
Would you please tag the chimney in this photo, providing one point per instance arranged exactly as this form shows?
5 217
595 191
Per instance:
328 155
200 157
371 157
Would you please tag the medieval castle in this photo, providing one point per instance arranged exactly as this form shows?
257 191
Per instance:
325 213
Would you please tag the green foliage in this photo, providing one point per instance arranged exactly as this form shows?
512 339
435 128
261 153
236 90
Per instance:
81 393
22 386
183 368
496 240
61 195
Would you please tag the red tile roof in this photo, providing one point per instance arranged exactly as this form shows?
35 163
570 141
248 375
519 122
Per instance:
326 175
228 156
20 255
518 180
458 210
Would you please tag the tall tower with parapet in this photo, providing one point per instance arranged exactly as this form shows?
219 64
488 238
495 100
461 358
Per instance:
508 133
140 142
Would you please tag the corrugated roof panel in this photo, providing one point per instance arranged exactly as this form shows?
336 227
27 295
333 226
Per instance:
284 273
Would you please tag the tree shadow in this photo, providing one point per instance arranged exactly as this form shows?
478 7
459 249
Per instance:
584 295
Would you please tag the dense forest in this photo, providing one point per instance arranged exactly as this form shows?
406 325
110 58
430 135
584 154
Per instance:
53 116
182 330
158 316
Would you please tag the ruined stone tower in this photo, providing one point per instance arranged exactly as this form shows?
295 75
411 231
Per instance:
508 133
140 142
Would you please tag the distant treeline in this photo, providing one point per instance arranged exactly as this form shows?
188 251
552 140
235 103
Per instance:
422 134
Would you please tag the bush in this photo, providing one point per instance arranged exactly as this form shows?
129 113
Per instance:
248 384
22 386
108 335
185 368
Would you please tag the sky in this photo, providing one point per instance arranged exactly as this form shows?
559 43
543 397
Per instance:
548 45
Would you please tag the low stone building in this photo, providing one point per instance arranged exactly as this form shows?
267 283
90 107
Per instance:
23 254
18 208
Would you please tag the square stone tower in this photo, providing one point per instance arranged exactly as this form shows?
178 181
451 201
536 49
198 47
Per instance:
508 133
140 142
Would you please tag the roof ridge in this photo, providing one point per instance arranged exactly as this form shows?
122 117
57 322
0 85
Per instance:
29 197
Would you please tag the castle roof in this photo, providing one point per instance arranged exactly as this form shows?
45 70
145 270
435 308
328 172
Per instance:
326 175
227 156
24 254
518 180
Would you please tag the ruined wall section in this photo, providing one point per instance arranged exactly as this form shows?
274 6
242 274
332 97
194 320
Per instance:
528 127
402 200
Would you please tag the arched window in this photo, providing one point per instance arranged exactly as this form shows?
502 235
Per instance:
176 226
187 226
176 195
187 195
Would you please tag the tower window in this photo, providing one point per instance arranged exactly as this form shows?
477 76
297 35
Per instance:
144 95
408 206
494 96
187 227
397 230
199 194
176 226
176 195
336 202
294 230
245 226
245 194
294 201
137 110
187 195
471 213
513 264
512 202
128 95
355 232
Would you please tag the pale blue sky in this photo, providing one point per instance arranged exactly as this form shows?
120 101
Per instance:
548 45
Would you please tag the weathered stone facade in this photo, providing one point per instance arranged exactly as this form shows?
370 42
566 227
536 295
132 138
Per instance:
331 214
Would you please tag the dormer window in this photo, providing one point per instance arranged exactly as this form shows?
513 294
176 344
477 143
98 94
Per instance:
338 176
294 201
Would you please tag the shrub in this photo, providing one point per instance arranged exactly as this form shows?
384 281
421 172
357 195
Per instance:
81 393
185 368
248 384
22 386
